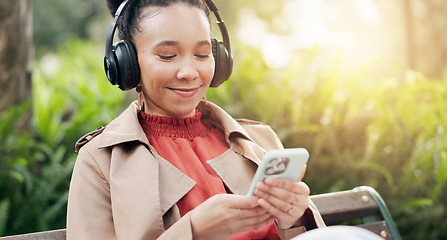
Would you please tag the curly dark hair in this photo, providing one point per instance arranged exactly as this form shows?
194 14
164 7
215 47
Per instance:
130 17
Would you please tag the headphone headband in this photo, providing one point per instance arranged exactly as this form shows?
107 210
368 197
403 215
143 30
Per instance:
220 23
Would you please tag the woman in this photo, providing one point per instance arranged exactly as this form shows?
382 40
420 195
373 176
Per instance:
174 166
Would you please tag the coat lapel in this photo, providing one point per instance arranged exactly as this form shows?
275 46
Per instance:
236 136
141 180
238 177
133 173
244 154
173 183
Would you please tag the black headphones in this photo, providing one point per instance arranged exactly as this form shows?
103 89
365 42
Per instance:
121 62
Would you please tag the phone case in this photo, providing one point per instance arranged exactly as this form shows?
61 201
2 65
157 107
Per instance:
280 163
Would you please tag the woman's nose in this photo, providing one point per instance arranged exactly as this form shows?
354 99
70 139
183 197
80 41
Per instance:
187 71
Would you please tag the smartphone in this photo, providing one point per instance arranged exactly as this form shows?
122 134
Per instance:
280 163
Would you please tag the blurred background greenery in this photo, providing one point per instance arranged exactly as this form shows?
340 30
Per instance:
360 83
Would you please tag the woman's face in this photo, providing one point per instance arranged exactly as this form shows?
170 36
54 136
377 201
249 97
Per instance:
175 58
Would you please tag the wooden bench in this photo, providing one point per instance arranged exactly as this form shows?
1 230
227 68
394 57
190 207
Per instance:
361 206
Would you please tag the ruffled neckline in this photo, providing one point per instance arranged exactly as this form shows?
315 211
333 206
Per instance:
162 126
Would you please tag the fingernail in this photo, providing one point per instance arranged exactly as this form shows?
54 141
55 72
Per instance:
283 183
260 193
262 202
269 180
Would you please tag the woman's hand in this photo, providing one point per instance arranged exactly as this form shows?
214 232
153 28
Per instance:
284 199
224 215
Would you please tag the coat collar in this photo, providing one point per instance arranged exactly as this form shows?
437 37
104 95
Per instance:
236 136
221 119
126 128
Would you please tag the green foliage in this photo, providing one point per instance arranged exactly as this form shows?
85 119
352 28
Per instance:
55 22
74 95
361 127
69 100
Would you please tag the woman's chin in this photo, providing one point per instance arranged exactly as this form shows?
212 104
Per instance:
182 112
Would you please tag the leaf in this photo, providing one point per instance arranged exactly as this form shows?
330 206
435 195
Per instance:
420 202
4 210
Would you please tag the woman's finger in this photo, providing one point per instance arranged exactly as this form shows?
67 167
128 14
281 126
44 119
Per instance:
284 199
250 212
285 190
286 203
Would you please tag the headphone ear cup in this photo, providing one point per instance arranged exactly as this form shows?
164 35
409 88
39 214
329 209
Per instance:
223 63
127 65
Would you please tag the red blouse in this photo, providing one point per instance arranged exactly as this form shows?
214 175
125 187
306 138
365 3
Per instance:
187 143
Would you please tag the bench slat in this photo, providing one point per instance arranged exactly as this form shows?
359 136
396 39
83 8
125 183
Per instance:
345 205
361 206
47 235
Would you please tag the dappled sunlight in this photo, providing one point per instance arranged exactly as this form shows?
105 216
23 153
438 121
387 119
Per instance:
356 30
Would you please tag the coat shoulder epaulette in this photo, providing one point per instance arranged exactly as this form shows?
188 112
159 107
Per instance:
88 137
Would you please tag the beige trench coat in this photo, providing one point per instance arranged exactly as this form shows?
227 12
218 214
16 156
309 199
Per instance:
122 189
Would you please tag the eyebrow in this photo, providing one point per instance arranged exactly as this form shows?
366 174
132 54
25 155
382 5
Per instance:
175 43
166 43
204 42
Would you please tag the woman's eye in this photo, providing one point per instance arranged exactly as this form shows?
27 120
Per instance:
170 57
202 56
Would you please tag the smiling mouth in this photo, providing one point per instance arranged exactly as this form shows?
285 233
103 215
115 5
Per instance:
185 92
